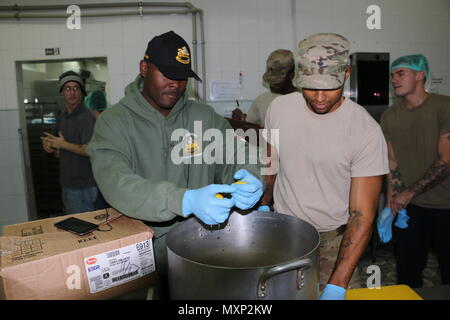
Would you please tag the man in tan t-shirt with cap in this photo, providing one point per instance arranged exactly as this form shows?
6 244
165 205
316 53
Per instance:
280 70
331 157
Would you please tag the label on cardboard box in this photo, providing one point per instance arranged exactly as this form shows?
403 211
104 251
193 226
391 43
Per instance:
110 269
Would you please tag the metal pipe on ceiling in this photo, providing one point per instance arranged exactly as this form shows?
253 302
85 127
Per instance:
17 13
203 49
90 15
194 47
98 5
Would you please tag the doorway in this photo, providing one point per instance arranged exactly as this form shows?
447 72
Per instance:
40 104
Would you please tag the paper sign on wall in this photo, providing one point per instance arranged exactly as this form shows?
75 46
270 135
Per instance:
223 90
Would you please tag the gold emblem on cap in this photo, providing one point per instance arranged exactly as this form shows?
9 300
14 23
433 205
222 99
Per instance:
183 55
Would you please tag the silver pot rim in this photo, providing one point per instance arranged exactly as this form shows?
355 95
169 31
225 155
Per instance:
268 266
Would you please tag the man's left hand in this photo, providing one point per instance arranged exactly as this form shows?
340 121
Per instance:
247 194
402 219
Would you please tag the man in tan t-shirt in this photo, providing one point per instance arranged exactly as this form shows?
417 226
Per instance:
417 130
280 70
332 157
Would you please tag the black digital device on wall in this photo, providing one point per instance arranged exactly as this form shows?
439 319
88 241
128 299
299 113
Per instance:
369 81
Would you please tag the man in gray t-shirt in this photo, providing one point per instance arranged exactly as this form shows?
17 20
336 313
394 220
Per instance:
73 130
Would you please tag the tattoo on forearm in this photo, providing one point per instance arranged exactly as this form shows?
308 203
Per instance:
395 173
395 181
397 187
346 242
354 223
448 137
354 219
432 177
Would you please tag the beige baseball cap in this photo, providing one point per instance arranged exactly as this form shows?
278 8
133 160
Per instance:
279 63
322 61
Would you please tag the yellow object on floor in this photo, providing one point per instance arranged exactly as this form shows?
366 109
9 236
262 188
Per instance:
398 292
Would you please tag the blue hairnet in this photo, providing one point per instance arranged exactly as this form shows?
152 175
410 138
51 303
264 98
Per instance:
416 62
96 100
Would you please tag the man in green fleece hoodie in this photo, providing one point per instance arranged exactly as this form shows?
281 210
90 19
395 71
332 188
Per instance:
133 150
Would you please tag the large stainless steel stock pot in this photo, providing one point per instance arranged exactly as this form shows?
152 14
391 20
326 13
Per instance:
259 255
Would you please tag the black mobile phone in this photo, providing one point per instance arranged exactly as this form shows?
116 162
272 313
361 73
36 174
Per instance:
77 226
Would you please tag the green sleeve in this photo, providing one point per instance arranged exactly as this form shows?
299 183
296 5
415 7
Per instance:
123 189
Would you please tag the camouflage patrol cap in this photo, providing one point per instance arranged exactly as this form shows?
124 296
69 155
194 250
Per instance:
322 61
278 64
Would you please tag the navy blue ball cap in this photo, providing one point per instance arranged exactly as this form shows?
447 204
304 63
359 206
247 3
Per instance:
171 55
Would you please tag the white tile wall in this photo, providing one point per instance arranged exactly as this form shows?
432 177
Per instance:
72 38
112 31
13 207
115 59
11 36
10 155
3 93
8 126
94 51
433 8
8 56
239 36
10 95
132 32
92 33
15 184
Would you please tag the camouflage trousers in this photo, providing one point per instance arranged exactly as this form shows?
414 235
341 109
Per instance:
330 242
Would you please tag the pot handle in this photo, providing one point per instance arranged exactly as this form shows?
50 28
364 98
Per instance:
262 287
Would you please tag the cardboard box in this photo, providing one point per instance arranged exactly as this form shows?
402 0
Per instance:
38 261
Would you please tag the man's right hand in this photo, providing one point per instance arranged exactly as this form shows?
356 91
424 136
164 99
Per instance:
46 145
206 206
333 292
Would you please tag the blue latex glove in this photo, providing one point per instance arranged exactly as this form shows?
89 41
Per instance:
206 206
264 208
384 225
333 292
402 219
248 194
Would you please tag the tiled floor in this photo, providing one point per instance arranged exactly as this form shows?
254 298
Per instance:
383 256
